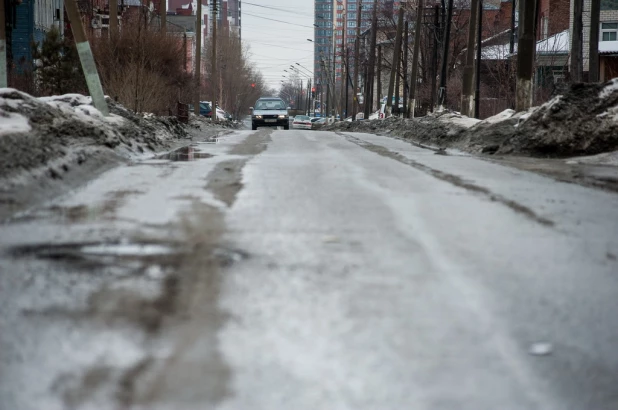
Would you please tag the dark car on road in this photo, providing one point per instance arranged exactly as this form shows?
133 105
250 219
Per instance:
270 112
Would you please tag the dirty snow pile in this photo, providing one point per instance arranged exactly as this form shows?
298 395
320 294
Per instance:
582 119
35 131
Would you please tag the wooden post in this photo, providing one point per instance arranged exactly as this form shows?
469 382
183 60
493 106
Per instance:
404 67
356 61
113 18
417 48
395 64
576 45
525 54
86 58
479 47
372 61
163 16
379 82
198 60
3 60
434 55
445 49
213 116
467 89
593 68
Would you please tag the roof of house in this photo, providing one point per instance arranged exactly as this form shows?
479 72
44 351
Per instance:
608 47
552 45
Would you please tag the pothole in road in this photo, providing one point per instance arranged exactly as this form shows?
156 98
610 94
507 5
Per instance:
184 154
104 210
121 257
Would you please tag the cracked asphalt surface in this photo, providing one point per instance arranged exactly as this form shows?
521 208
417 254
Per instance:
312 270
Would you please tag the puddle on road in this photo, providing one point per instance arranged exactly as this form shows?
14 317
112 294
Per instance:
130 249
185 154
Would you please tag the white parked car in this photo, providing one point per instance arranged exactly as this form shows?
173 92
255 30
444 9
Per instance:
302 122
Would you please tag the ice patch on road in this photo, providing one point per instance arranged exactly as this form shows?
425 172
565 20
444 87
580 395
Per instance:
12 123
127 249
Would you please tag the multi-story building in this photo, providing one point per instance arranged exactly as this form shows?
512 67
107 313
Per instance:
608 38
334 32
228 14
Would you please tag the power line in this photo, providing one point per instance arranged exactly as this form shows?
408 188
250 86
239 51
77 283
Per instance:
279 21
271 7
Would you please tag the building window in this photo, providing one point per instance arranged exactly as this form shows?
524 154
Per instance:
609 31
545 27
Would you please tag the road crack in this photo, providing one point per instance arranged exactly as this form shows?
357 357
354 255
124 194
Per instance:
452 179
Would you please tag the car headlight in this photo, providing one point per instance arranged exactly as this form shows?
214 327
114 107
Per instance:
282 116
258 117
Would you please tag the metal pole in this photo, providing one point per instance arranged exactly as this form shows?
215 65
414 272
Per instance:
3 60
85 57
417 47
445 49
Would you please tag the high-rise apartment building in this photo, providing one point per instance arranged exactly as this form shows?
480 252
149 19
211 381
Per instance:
228 14
335 26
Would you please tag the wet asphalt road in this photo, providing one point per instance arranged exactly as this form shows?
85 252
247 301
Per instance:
312 270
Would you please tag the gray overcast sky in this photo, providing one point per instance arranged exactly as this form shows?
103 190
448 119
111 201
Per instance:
274 45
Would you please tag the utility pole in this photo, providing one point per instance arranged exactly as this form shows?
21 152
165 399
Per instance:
198 62
213 116
593 68
445 48
512 36
347 73
379 82
525 54
394 67
3 60
162 15
85 57
417 47
113 18
355 105
434 56
343 78
404 76
396 109
479 44
467 92
372 61
576 46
